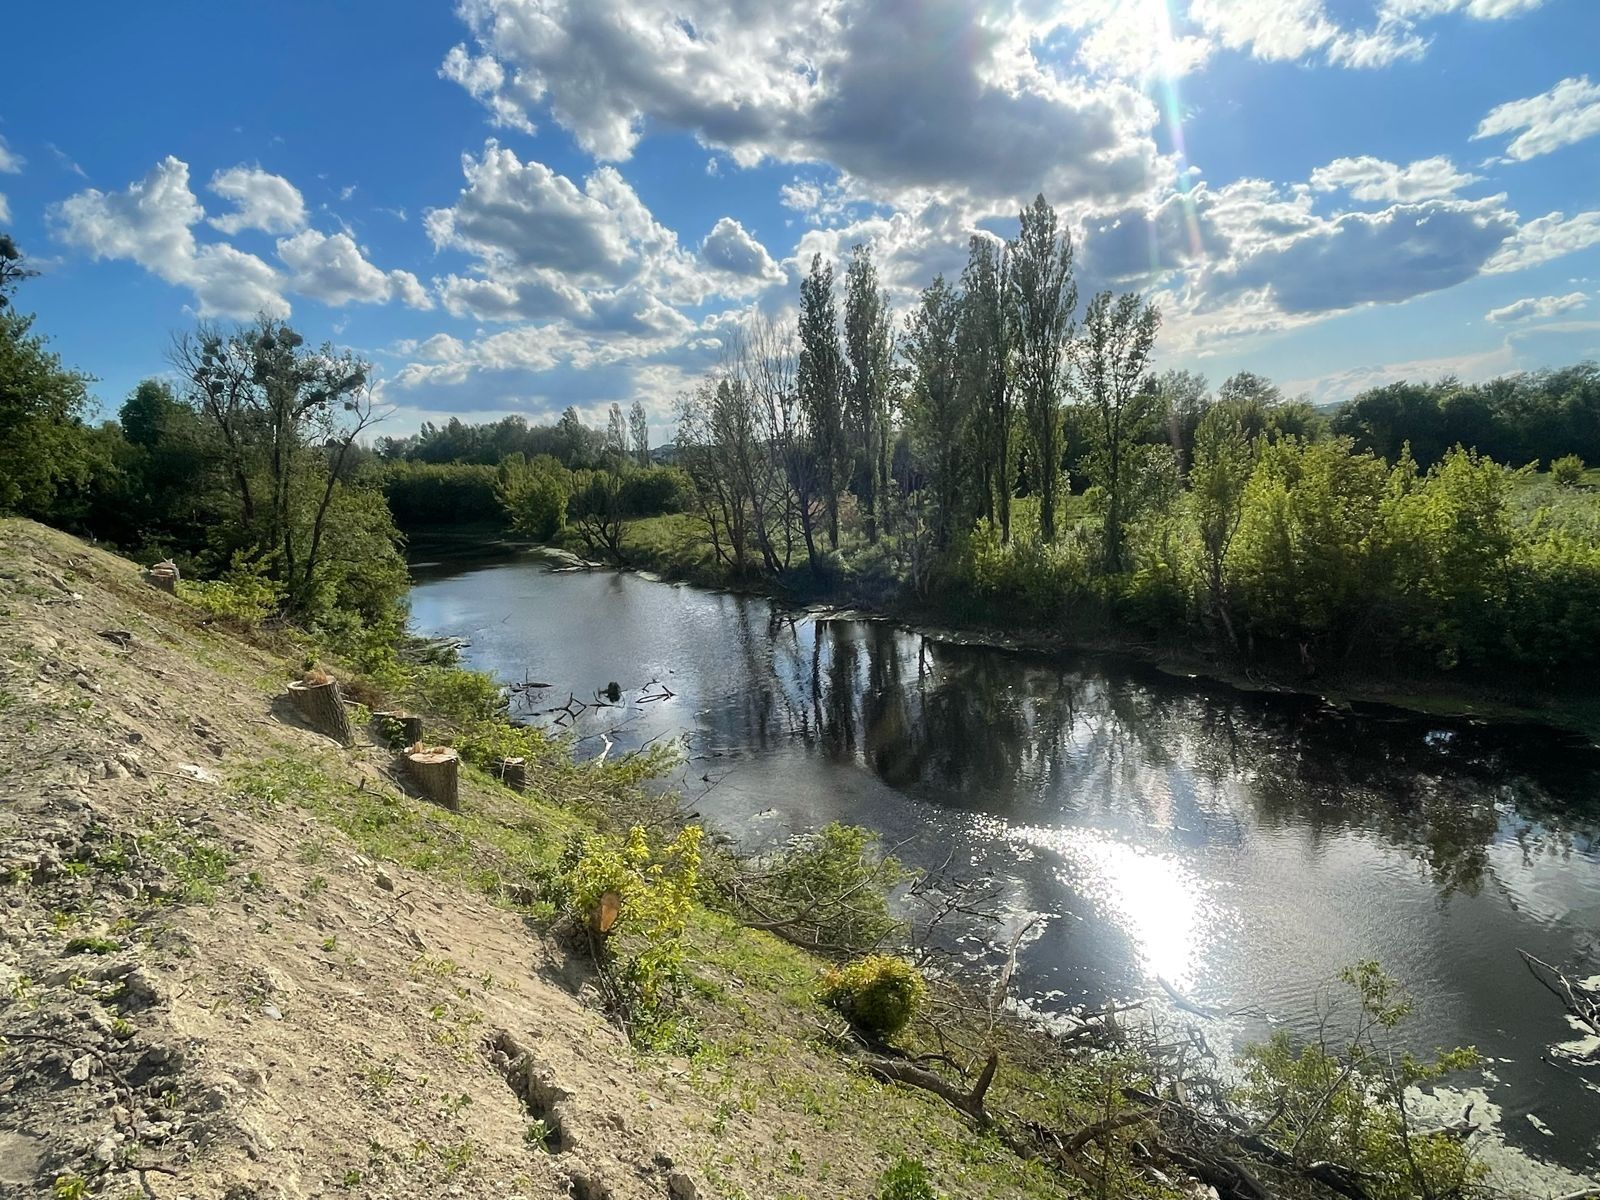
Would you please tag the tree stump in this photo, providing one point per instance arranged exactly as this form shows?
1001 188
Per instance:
514 773
402 728
323 708
164 575
435 769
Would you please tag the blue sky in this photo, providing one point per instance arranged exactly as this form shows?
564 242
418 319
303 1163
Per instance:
519 204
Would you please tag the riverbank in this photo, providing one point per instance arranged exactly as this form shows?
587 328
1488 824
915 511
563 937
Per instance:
668 546
239 959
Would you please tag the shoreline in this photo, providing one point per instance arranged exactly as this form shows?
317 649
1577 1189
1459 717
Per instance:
1575 716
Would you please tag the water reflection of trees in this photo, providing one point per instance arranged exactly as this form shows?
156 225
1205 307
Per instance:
1036 741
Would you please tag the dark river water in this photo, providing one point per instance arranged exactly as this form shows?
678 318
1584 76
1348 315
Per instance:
1240 847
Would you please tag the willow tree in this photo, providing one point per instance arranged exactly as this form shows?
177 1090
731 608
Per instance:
287 417
1041 299
869 379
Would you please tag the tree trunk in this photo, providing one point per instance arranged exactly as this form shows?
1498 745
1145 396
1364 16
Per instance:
436 772
513 773
400 728
164 575
323 708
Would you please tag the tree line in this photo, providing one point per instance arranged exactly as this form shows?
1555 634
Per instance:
1001 453
1006 453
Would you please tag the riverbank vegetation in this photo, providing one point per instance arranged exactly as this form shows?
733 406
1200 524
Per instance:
936 466
795 1021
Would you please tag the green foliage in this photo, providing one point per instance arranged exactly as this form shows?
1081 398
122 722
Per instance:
1310 546
1452 541
44 448
1567 470
534 494
1026 578
652 491
421 494
907 1179
828 891
1537 415
656 889
245 596
1349 1100
464 699
879 993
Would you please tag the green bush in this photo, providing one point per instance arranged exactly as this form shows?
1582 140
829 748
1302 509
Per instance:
244 596
651 491
656 890
828 891
1567 470
906 1180
534 494
879 993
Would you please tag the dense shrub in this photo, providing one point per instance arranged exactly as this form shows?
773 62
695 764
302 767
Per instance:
656 890
1567 470
827 891
534 494
651 491
879 993
245 595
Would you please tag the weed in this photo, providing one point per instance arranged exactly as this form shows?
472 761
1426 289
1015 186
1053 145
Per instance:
93 945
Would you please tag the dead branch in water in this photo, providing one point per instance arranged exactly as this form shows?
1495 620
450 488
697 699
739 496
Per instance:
1582 1003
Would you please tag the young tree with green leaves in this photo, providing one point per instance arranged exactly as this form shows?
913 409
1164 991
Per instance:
1042 299
869 380
287 418
1112 358
1224 457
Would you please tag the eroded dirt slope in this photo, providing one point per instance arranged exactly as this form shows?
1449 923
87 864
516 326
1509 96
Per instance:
207 991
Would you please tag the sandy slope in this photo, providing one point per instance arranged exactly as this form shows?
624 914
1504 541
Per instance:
252 1008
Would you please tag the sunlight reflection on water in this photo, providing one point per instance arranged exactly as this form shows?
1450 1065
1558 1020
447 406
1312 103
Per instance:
1165 909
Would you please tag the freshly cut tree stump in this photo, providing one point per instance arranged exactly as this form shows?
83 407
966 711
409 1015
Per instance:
436 770
164 575
514 773
410 726
319 702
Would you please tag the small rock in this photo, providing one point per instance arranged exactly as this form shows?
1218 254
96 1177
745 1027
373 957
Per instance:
82 1067
385 882
271 1011
681 1187
106 1150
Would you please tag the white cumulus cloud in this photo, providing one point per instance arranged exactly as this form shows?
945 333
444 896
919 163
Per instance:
1567 113
1538 308
152 223
730 247
261 201
1368 178
331 268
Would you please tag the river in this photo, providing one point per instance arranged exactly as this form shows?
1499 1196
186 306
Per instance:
1241 847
